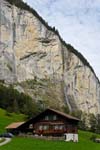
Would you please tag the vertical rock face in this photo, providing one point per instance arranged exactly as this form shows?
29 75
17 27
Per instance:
29 49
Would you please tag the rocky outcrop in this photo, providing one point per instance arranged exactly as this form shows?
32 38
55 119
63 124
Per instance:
30 49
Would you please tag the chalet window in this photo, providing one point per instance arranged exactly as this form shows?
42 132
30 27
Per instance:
40 127
46 117
31 126
61 127
51 117
54 117
58 127
45 127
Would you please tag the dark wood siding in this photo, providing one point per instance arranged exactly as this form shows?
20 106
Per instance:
50 123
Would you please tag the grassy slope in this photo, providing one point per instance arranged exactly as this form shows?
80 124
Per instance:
30 144
7 118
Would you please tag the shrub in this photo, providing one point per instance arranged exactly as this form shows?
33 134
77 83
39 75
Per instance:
93 137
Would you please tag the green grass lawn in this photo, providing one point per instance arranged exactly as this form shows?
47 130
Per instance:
7 118
84 143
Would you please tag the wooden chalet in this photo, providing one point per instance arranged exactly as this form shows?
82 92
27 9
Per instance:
49 123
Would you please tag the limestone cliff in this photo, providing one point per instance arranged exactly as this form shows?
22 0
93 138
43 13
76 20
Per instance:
30 49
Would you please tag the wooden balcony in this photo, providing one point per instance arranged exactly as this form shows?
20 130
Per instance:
48 132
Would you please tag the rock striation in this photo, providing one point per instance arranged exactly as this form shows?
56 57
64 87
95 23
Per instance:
30 49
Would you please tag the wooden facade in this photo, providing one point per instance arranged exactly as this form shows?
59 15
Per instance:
49 123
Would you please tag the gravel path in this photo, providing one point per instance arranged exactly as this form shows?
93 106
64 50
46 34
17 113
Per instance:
6 141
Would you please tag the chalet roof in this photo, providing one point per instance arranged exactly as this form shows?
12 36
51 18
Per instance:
64 114
55 111
14 125
21 124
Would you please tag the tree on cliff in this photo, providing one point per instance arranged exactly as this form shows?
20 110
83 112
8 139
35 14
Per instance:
13 101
